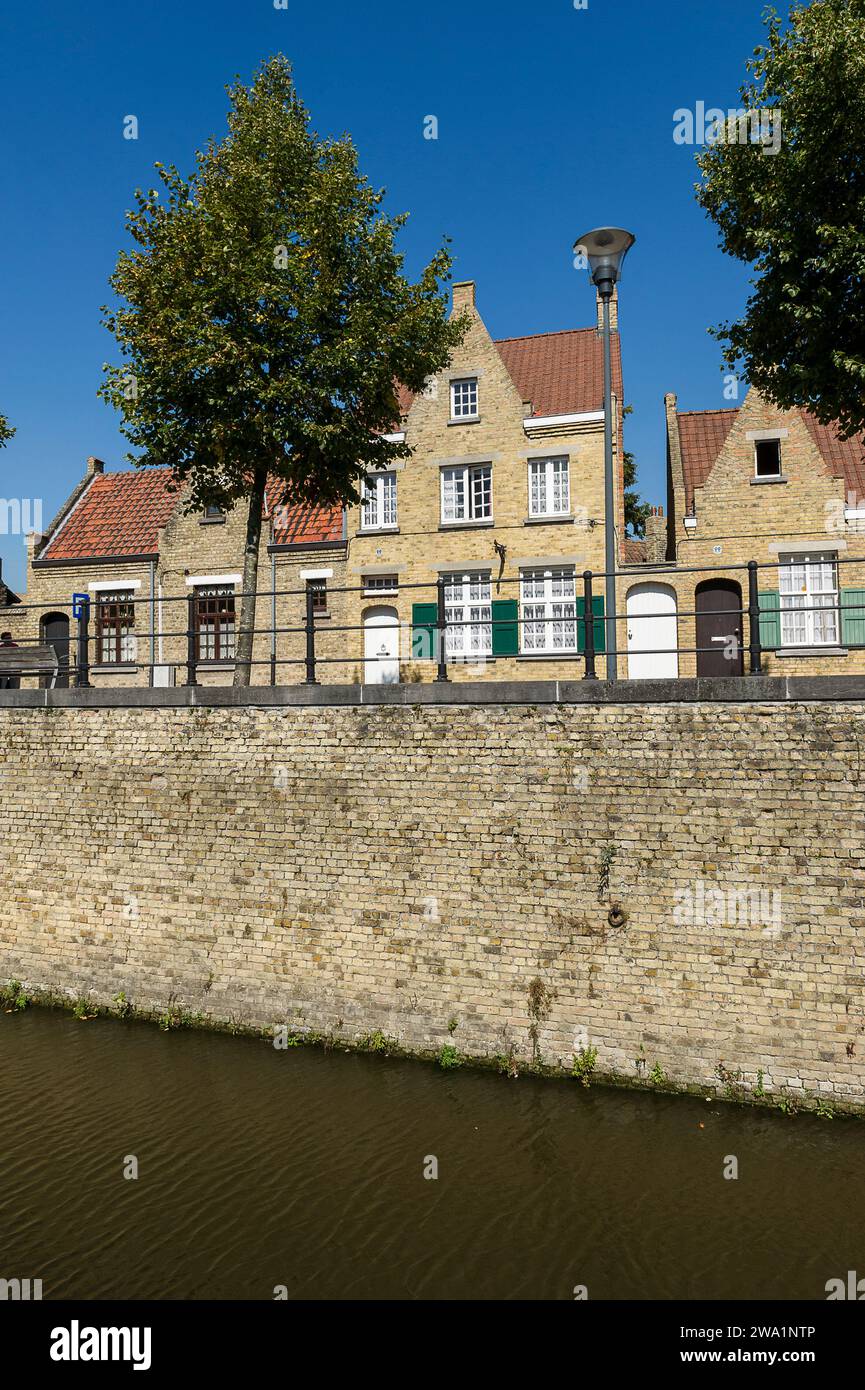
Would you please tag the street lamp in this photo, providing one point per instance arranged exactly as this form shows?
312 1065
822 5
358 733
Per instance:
605 250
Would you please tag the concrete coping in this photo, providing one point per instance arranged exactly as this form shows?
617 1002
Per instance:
721 690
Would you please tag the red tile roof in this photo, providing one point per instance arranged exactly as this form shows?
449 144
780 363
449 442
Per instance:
560 373
122 513
634 551
702 435
844 458
118 514
297 523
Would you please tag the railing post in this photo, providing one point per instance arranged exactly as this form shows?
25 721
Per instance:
83 676
441 629
191 637
310 636
589 621
754 648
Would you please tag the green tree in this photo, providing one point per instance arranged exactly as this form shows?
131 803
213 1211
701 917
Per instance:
265 319
636 510
795 211
6 431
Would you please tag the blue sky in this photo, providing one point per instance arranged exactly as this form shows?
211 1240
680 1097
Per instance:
552 120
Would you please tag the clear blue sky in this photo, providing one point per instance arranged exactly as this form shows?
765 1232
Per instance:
552 120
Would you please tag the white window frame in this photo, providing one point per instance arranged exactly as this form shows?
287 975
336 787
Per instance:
465 484
464 398
548 611
378 503
544 484
468 606
757 443
805 581
381 583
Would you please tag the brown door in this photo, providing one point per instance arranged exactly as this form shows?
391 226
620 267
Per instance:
719 628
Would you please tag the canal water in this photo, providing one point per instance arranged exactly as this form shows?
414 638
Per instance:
259 1169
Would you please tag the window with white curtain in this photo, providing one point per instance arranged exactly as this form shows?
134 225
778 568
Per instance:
467 494
548 610
808 587
549 490
468 615
379 502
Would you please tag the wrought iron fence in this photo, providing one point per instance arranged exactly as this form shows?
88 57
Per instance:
587 632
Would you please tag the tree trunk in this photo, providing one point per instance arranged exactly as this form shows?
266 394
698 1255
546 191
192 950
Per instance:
246 625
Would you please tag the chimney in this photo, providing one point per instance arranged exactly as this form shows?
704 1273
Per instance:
33 541
464 295
614 309
656 536
94 466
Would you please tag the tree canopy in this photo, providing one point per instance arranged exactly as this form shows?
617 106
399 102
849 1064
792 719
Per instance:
265 319
6 431
795 211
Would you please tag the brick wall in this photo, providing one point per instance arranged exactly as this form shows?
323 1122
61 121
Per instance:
394 868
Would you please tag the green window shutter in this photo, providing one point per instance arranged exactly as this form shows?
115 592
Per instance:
423 631
506 627
770 621
853 617
599 626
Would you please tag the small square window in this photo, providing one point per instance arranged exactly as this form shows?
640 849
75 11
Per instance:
768 456
318 587
464 399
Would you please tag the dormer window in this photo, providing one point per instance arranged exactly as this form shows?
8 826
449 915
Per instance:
464 398
767 453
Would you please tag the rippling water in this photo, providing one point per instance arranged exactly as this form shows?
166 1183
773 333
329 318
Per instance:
260 1168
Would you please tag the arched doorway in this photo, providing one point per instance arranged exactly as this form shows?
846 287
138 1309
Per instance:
381 646
652 633
719 628
54 629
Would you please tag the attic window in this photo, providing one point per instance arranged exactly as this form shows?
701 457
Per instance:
213 513
464 399
767 453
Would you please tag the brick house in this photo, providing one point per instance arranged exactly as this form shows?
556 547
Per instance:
125 540
755 483
503 496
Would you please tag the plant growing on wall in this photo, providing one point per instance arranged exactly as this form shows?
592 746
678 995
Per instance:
264 320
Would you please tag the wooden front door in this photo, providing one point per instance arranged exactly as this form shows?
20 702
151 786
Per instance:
719 628
55 631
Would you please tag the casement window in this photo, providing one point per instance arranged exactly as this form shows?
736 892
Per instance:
318 588
464 399
468 615
115 628
549 610
808 587
379 502
467 494
380 583
215 622
767 458
549 490
213 513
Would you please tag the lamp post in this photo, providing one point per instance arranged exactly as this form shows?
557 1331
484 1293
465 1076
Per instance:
605 250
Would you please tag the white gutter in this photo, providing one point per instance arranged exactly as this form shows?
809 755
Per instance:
585 417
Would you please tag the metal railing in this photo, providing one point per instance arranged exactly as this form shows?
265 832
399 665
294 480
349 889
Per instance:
578 629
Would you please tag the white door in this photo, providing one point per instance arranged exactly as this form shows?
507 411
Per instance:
381 646
652 631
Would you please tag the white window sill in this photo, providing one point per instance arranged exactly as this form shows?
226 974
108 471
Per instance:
466 525
771 478
552 656
378 531
464 420
809 651
561 518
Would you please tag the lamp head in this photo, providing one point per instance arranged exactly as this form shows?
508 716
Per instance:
605 249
